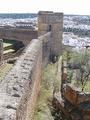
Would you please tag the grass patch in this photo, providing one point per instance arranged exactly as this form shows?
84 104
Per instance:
9 51
87 87
72 79
78 71
7 44
46 93
79 85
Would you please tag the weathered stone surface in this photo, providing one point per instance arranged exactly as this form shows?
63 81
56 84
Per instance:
22 35
1 51
19 89
46 38
18 86
50 21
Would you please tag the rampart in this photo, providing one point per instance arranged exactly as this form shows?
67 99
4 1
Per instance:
46 47
20 87
23 35
1 51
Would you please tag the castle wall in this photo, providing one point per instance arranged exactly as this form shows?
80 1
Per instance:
22 35
1 51
46 38
19 89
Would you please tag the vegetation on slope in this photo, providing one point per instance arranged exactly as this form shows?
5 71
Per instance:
78 69
46 93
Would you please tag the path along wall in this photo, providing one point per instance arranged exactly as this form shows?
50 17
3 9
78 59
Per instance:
20 88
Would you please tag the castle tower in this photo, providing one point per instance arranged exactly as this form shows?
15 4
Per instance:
1 51
50 21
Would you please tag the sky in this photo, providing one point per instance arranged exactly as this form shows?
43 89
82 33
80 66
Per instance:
81 7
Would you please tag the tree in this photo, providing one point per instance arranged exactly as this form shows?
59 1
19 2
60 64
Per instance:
83 61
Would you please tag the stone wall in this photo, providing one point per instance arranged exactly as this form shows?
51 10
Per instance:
46 47
50 21
20 88
22 35
1 51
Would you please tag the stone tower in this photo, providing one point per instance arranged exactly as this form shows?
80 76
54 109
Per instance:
52 22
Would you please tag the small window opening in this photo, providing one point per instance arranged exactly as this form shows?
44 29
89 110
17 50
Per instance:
49 28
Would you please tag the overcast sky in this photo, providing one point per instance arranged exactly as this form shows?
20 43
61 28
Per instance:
33 6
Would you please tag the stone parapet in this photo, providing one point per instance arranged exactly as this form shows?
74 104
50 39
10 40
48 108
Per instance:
23 35
46 40
1 51
20 88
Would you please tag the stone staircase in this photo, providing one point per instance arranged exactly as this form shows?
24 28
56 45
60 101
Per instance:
8 49
11 47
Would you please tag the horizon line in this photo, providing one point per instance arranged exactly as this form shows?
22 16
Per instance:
37 13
